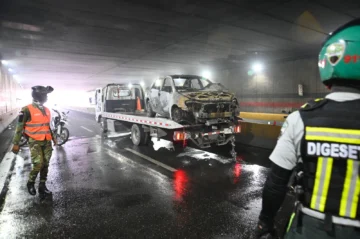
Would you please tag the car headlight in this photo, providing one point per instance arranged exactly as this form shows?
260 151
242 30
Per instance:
181 103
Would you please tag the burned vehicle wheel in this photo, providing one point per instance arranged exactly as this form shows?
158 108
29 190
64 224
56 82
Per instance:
176 114
180 116
149 111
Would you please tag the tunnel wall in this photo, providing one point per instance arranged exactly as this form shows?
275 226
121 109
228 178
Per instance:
10 102
276 88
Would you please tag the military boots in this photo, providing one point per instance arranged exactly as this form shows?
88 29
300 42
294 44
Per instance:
31 188
43 191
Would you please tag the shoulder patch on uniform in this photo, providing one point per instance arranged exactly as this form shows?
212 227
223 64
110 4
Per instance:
313 104
283 128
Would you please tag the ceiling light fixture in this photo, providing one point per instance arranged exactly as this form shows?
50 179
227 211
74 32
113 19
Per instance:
4 62
258 67
206 74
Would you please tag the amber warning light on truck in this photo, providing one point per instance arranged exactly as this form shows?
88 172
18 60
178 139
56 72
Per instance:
179 136
237 129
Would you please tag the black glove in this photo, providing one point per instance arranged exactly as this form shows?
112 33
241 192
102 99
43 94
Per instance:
265 231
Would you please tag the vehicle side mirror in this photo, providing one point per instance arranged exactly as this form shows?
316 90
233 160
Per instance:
284 112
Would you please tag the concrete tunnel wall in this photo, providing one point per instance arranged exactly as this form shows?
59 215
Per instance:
10 103
276 88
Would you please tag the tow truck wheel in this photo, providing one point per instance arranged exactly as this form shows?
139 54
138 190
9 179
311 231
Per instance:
138 135
103 124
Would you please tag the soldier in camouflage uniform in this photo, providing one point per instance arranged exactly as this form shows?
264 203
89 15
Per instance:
34 121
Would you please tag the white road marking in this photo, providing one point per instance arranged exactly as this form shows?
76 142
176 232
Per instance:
87 129
132 163
5 167
151 160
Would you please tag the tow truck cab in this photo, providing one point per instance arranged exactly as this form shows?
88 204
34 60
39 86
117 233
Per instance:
118 98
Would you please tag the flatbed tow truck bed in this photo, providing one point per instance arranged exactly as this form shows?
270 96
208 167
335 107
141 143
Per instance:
143 128
141 118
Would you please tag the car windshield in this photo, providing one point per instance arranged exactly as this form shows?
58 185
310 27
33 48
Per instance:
119 92
190 83
215 87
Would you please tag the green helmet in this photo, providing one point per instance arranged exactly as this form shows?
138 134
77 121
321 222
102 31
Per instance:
339 57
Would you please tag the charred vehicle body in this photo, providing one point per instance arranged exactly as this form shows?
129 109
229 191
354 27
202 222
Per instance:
191 99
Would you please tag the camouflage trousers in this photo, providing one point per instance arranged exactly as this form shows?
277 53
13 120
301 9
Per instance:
40 152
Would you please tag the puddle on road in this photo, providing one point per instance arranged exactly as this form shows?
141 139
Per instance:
161 143
203 155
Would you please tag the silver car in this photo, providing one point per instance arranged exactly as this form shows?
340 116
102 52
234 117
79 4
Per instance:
190 99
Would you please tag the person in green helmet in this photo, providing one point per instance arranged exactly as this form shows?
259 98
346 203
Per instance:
321 144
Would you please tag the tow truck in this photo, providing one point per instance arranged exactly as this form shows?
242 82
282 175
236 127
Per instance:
122 104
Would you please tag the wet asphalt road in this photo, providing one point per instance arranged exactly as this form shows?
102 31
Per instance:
108 188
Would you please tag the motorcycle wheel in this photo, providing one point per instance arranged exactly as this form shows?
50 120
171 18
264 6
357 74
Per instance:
63 137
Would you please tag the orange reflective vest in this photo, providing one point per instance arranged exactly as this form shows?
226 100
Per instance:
38 128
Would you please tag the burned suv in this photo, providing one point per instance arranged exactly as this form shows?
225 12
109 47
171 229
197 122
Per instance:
191 99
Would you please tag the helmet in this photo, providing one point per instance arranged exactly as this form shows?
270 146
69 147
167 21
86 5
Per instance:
39 93
339 58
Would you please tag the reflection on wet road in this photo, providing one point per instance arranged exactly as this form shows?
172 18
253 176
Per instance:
108 188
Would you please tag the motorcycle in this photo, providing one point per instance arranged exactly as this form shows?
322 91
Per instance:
60 132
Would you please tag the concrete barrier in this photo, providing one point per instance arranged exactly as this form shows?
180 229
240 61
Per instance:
263 118
258 135
7 118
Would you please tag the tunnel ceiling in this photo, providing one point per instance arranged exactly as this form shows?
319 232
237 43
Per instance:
84 44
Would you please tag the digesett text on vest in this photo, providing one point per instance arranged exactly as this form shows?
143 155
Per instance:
333 150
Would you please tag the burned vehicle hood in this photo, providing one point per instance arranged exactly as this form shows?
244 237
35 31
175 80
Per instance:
207 96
